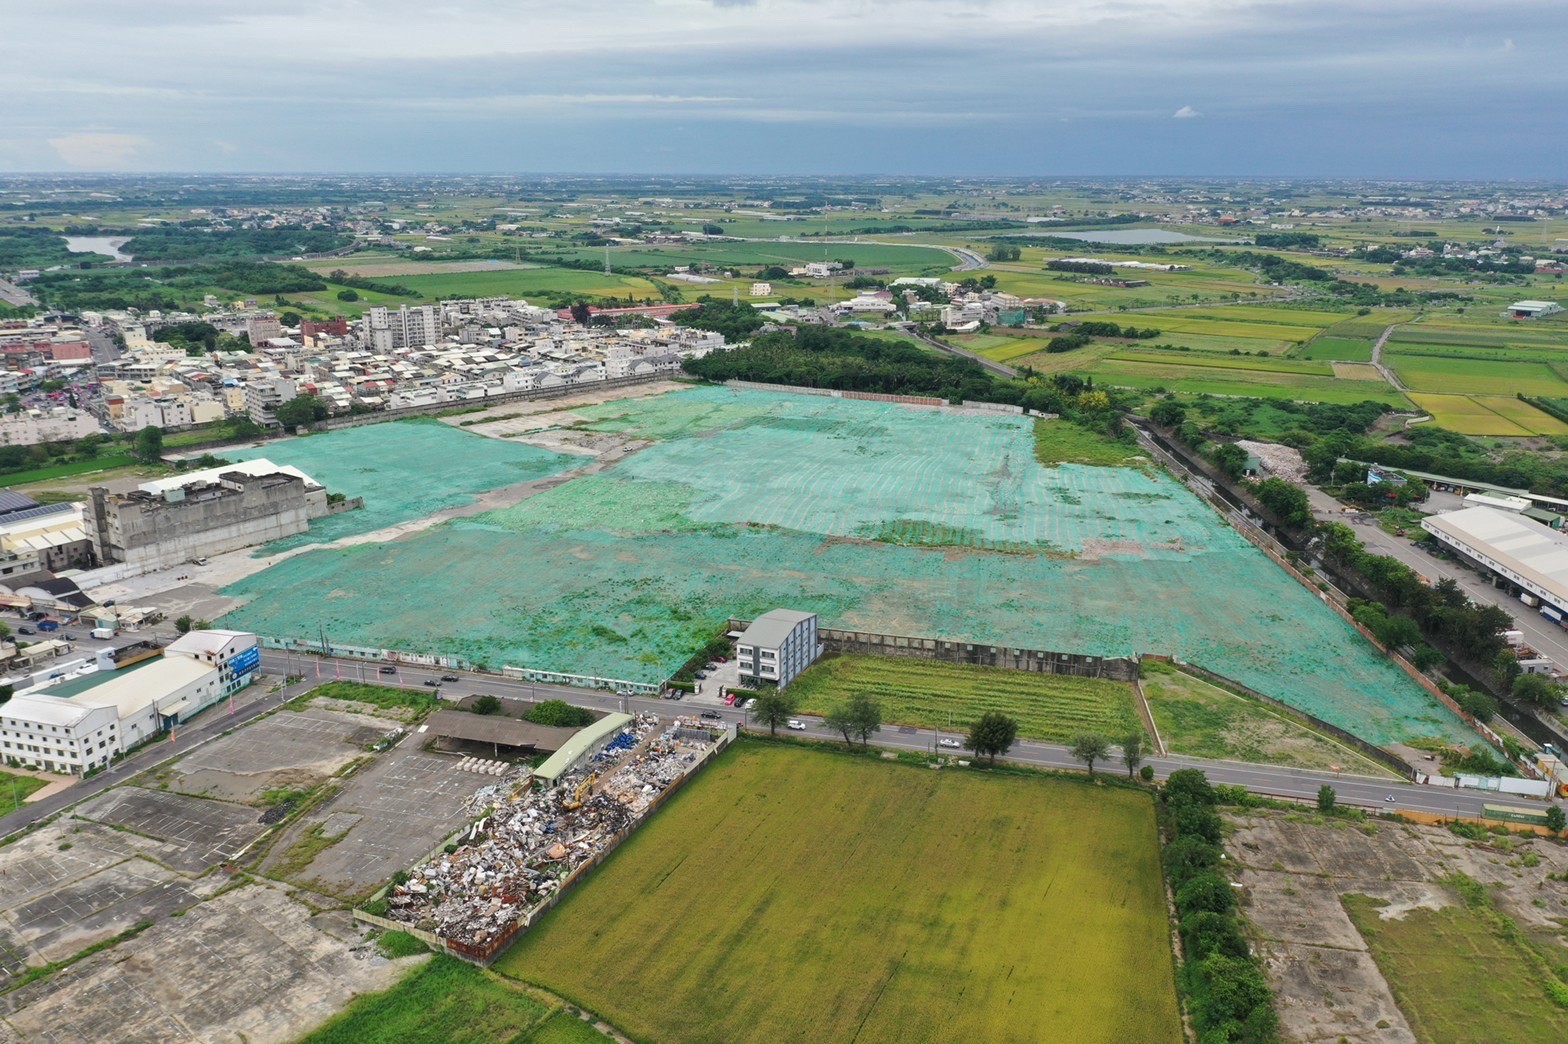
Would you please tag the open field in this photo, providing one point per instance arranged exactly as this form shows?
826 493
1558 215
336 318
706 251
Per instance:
1349 371
1455 977
1444 956
857 881
14 789
1304 367
933 694
1204 721
1347 349
1177 376
876 516
370 269
443 999
1063 442
1488 415
1477 376
528 283
58 471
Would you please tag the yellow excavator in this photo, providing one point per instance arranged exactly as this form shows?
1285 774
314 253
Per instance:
581 792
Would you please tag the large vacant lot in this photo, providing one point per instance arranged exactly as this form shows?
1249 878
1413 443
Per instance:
796 894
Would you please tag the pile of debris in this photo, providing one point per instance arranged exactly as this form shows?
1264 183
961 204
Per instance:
517 855
1279 461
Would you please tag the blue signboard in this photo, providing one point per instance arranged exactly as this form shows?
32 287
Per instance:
247 660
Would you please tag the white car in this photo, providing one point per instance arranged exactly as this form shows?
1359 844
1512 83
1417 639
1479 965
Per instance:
797 725
946 742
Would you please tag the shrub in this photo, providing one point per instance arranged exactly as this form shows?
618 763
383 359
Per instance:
1205 892
1187 857
1146 773
1205 934
559 714
486 704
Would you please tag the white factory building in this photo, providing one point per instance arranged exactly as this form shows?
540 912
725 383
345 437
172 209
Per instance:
1528 555
777 646
74 730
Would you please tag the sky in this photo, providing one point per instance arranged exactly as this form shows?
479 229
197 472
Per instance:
1328 88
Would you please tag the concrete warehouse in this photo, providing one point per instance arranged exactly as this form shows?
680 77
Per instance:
1528 555
85 730
777 646
165 523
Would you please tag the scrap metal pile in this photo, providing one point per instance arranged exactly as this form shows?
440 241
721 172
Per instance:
516 856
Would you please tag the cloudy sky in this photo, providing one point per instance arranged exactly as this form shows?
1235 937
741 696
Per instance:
1379 88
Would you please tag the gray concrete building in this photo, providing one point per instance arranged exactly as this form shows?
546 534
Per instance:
777 646
159 530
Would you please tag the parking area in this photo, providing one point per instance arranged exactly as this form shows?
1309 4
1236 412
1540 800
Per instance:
387 816
286 749
252 964
198 833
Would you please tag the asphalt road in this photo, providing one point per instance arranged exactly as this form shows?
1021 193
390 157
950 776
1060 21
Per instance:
12 294
1260 779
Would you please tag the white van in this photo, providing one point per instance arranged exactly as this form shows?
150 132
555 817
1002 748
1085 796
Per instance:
104 633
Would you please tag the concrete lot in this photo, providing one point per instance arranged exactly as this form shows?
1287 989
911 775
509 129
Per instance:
286 749
385 818
250 965
199 833
1327 986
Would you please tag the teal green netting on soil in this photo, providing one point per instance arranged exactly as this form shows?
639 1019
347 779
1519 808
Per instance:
405 470
879 517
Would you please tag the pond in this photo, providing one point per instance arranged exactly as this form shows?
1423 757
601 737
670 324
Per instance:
107 245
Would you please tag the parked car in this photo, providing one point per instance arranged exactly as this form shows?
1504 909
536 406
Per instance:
712 714
700 675
722 659
24 630
450 677
946 741
750 703
729 701
389 669
711 667
432 683
797 725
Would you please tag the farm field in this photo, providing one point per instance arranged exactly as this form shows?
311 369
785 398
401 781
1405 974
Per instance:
1305 367
1346 349
933 694
1349 371
528 283
879 517
1488 415
847 872
1430 959
1205 721
1477 376
1176 376
904 259
392 268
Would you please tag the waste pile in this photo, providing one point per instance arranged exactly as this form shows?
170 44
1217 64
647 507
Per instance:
517 854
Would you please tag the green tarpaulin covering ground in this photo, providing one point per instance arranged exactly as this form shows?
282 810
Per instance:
880 517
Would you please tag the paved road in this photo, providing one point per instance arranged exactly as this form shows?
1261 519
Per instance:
104 347
1377 360
963 353
12 294
1261 779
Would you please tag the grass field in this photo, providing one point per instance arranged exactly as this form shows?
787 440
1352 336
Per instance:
1477 376
15 788
1344 349
933 694
1176 376
55 471
384 697
528 282
1488 415
444 1000
1456 977
792 894
1205 721
1063 442
1305 367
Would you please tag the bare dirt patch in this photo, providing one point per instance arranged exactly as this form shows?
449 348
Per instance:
1295 867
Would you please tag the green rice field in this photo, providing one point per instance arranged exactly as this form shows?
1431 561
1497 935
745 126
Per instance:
1478 376
1495 415
1342 349
878 517
792 894
933 694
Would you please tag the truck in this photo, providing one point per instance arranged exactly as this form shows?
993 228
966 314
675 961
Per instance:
1529 599
48 625
103 633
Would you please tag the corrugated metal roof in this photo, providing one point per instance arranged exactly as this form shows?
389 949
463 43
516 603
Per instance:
1534 552
771 628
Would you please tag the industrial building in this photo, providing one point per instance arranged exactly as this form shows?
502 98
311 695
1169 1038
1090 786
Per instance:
1532 309
36 538
777 646
1531 557
74 728
165 523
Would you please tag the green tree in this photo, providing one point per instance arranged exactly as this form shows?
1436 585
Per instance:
486 704
1326 798
559 714
1187 857
1206 891
149 444
289 318
1538 690
183 624
7 691
1556 819
993 734
1168 413
1090 747
302 410
348 295
857 718
773 709
1229 458
1189 786
1204 934
1132 752
1286 500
